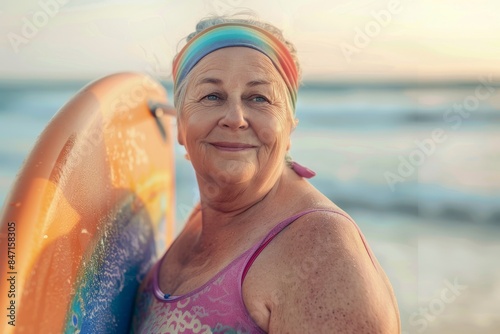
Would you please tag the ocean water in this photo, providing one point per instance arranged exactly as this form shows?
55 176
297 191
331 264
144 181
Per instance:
416 165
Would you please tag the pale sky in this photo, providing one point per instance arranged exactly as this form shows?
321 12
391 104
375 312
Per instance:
336 40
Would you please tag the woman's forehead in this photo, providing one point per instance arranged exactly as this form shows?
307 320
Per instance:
247 62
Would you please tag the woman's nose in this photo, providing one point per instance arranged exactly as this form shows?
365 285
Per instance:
234 116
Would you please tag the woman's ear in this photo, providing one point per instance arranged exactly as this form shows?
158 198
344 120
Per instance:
180 133
295 123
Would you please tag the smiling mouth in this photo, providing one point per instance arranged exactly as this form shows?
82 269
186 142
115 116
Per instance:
232 147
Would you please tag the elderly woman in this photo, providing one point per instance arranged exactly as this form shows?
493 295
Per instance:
264 251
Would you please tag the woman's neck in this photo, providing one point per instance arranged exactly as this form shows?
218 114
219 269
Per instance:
217 230
237 207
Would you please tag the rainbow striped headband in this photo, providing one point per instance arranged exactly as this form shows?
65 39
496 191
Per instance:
237 34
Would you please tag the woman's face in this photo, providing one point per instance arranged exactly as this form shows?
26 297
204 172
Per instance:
234 122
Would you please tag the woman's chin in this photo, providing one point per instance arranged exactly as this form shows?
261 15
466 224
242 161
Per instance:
233 172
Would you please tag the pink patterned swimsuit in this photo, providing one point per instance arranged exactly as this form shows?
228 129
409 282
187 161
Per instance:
215 307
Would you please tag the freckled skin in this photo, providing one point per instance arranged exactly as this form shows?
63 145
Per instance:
316 276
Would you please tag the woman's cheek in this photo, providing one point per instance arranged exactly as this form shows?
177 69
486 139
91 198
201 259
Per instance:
193 118
267 135
269 130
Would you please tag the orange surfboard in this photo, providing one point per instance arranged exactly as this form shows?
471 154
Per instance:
90 210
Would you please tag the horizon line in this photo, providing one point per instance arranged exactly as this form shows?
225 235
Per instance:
311 83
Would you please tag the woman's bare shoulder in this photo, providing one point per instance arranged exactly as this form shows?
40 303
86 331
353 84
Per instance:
330 270
327 235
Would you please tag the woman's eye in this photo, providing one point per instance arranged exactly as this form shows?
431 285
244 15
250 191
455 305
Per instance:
259 99
211 97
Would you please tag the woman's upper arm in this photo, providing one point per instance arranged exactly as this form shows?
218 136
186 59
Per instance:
329 282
